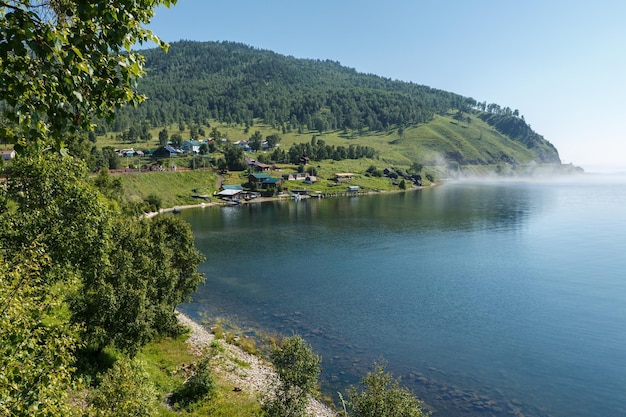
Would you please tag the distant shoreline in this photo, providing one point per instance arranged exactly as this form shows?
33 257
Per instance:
285 197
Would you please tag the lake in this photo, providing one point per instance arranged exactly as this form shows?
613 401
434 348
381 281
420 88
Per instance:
485 298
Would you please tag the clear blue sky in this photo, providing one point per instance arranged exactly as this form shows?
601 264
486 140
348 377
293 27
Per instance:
561 63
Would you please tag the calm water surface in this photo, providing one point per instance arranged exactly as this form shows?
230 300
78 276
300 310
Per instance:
487 299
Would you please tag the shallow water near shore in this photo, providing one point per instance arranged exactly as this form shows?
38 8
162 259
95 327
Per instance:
486 298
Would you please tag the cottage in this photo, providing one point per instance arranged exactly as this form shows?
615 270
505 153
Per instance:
229 195
310 179
243 144
8 154
342 176
295 176
271 182
191 146
256 165
166 152
258 178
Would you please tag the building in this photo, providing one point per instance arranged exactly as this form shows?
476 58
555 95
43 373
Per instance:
7 155
166 152
191 146
342 176
256 165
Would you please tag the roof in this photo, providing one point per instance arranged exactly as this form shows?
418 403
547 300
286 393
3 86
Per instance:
171 149
228 193
232 187
272 180
260 176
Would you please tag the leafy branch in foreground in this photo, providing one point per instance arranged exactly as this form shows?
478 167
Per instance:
65 63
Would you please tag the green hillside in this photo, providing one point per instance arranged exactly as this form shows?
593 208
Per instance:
240 89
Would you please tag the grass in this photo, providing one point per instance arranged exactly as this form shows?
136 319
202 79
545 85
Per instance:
174 188
429 144
426 143
164 360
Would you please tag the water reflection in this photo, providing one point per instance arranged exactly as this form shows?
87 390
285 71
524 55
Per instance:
460 287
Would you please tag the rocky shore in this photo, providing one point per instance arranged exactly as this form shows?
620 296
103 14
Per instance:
256 378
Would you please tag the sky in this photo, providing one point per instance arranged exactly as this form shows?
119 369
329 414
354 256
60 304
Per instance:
562 64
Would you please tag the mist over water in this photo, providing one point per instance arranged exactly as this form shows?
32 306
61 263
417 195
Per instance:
487 298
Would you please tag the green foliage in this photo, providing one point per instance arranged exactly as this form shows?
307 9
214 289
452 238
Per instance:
177 140
111 159
416 167
320 151
132 297
132 271
233 156
381 396
199 386
296 363
36 348
59 209
163 137
124 390
298 369
154 202
518 130
236 86
109 185
67 63
236 83
272 140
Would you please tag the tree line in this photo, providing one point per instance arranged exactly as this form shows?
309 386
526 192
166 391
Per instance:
234 83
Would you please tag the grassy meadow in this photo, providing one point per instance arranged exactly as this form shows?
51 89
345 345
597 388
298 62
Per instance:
428 144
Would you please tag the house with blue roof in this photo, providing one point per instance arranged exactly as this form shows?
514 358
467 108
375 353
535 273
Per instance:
166 151
191 146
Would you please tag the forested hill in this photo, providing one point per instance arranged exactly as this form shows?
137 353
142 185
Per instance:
200 81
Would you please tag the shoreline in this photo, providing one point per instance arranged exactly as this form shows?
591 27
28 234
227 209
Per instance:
282 198
257 378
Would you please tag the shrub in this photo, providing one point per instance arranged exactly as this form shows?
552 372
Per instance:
154 202
382 396
298 368
124 390
201 385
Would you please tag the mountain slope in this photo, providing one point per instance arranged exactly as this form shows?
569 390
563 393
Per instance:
201 81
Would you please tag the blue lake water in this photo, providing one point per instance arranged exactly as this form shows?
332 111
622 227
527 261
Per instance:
486 298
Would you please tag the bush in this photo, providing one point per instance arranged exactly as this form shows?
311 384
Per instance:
201 385
153 202
298 368
124 390
381 396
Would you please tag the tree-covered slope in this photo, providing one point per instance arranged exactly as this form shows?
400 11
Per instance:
201 81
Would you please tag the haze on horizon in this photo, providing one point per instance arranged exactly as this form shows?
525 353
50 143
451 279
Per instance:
560 63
